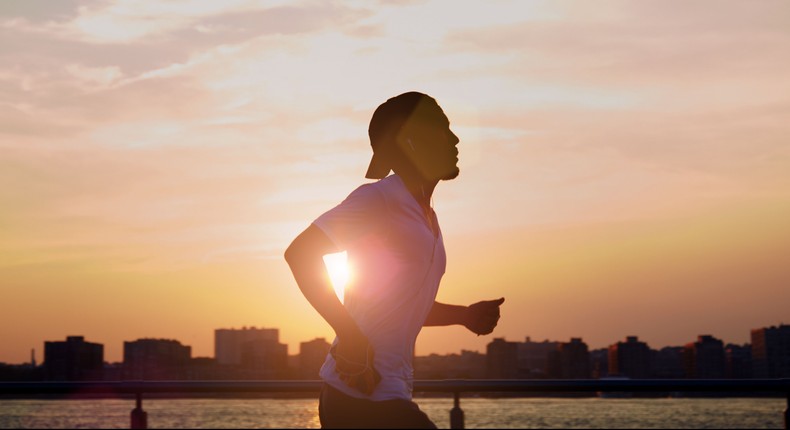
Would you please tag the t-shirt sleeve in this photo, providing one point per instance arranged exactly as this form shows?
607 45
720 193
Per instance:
362 213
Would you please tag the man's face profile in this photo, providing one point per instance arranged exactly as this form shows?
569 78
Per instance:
430 145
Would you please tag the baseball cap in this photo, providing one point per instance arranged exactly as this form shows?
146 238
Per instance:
385 123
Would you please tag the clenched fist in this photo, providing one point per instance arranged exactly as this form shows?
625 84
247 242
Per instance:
482 317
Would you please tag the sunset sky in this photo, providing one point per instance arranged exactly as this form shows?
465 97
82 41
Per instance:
625 166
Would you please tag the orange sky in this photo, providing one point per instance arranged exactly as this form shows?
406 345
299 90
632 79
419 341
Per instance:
625 166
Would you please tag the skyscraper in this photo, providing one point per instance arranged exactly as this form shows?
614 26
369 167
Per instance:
533 358
502 359
570 360
73 360
228 343
630 358
771 352
738 361
251 353
704 359
155 359
311 357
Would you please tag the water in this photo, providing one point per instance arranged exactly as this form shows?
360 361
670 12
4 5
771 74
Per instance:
479 413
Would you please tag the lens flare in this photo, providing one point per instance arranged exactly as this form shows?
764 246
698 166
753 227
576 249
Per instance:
337 267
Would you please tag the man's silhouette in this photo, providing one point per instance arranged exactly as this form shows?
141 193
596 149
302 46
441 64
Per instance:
395 247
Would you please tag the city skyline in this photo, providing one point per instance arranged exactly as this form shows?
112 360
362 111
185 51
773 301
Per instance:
292 352
624 166
252 353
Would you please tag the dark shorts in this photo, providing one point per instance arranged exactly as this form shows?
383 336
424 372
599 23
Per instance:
338 410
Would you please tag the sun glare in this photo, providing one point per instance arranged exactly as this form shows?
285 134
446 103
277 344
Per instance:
337 266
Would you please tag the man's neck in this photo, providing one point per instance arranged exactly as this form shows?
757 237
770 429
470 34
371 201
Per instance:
419 187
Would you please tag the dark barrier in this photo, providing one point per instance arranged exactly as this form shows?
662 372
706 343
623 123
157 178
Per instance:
139 417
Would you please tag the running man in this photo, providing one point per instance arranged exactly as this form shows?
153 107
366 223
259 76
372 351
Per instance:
394 243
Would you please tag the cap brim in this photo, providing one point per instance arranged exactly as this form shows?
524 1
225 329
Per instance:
379 168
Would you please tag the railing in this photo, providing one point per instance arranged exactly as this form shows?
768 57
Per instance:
456 387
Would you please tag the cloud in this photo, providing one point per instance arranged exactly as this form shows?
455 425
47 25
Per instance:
124 22
102 77
39 10
636 46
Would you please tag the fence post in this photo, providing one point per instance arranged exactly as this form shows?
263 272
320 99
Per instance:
456 413
139 416
787 412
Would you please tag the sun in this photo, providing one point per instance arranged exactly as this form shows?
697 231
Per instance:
337 266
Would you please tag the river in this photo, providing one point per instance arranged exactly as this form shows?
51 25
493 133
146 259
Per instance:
479 413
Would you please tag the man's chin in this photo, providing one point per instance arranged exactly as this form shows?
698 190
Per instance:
452 175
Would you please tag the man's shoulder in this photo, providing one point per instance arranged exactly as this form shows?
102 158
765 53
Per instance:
384 193
387 186
380 194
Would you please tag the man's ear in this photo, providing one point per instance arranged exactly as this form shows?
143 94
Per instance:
407 146
404 143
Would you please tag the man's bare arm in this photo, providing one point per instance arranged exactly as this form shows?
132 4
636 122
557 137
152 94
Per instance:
479 318
305 256
443 314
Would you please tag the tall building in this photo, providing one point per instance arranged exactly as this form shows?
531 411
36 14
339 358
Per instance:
668 363
570 360
73 360
155 359
533 358
771 352
264 359
631 358
228 343
738 361
704 359
599 363
251 353
311 357
502 359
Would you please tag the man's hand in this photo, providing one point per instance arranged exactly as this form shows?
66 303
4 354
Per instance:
482 317
352 353
354 362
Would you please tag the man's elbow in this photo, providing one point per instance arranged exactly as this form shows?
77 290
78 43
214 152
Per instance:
310 245
290 254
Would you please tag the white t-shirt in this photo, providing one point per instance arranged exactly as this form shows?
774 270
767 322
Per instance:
396 263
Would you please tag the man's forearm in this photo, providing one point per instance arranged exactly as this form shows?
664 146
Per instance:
442 314
314 284
305 258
